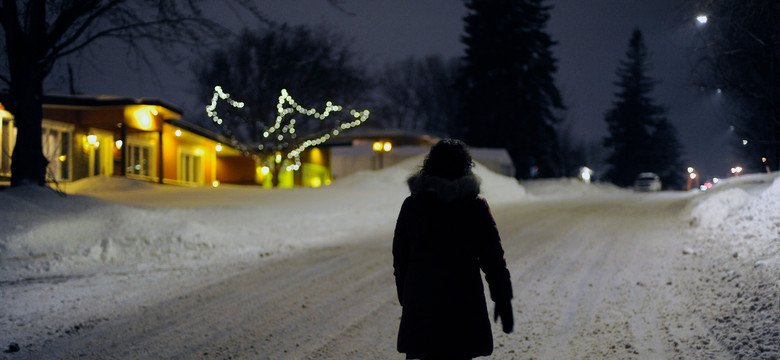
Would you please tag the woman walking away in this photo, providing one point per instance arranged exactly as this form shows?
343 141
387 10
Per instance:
444 235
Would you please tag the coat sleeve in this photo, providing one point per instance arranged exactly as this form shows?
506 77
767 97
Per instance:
401 248
491 256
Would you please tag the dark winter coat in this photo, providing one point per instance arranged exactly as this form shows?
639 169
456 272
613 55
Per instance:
444 235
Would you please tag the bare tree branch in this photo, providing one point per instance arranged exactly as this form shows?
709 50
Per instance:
68 18
337 5
117 33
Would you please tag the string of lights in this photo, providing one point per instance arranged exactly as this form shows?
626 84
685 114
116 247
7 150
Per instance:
282 133
212 113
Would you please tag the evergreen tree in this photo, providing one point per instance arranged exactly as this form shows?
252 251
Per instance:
667 155
640 138
506 86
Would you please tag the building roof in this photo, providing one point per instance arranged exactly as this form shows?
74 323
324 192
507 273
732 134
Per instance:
106 100
398 136
195 129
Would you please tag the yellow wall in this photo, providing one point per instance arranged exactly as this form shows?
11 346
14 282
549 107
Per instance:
314 175
315 171
187 142
169 160
236 169
144 117
228 165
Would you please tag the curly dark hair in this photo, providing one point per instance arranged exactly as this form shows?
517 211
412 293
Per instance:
449 159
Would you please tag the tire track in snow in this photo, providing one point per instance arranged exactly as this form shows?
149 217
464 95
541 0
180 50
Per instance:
590 279
594 279
286 309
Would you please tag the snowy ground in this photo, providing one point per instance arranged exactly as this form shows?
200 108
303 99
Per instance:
71 264
735 261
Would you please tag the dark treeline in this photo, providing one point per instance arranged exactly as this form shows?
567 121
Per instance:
501 93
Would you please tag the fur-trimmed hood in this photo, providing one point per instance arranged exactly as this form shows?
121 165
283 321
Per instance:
444 189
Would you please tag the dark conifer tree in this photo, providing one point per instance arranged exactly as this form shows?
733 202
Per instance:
506 87
640 138
667 155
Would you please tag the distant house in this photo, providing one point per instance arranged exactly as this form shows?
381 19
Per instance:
145 138
355 151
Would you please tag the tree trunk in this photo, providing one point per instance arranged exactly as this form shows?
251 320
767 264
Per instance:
27 69
28 164
776 146
276 169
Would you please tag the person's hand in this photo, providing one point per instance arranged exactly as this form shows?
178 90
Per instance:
503 310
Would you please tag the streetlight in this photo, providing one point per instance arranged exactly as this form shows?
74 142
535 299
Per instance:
382 147
745 142
586 174
692 175
701 21
736 170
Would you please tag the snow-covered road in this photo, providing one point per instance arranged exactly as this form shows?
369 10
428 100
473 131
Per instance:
124 269
326 303
594 277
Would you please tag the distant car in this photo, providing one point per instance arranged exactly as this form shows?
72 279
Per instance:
647 181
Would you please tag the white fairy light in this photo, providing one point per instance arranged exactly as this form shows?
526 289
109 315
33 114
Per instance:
287 106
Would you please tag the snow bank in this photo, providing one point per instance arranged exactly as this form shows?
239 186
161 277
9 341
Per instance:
496 188
734 263
44 232
499 189
713 210
388 179
104 184
566 187
120 222
749 224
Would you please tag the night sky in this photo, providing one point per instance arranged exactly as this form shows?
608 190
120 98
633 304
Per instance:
592 38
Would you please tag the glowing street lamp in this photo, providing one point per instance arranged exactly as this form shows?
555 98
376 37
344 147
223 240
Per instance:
702 19
586 174
736 170
692 175
382 147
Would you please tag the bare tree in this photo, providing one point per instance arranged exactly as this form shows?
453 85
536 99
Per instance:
739 57
418 95
38 34
316 68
